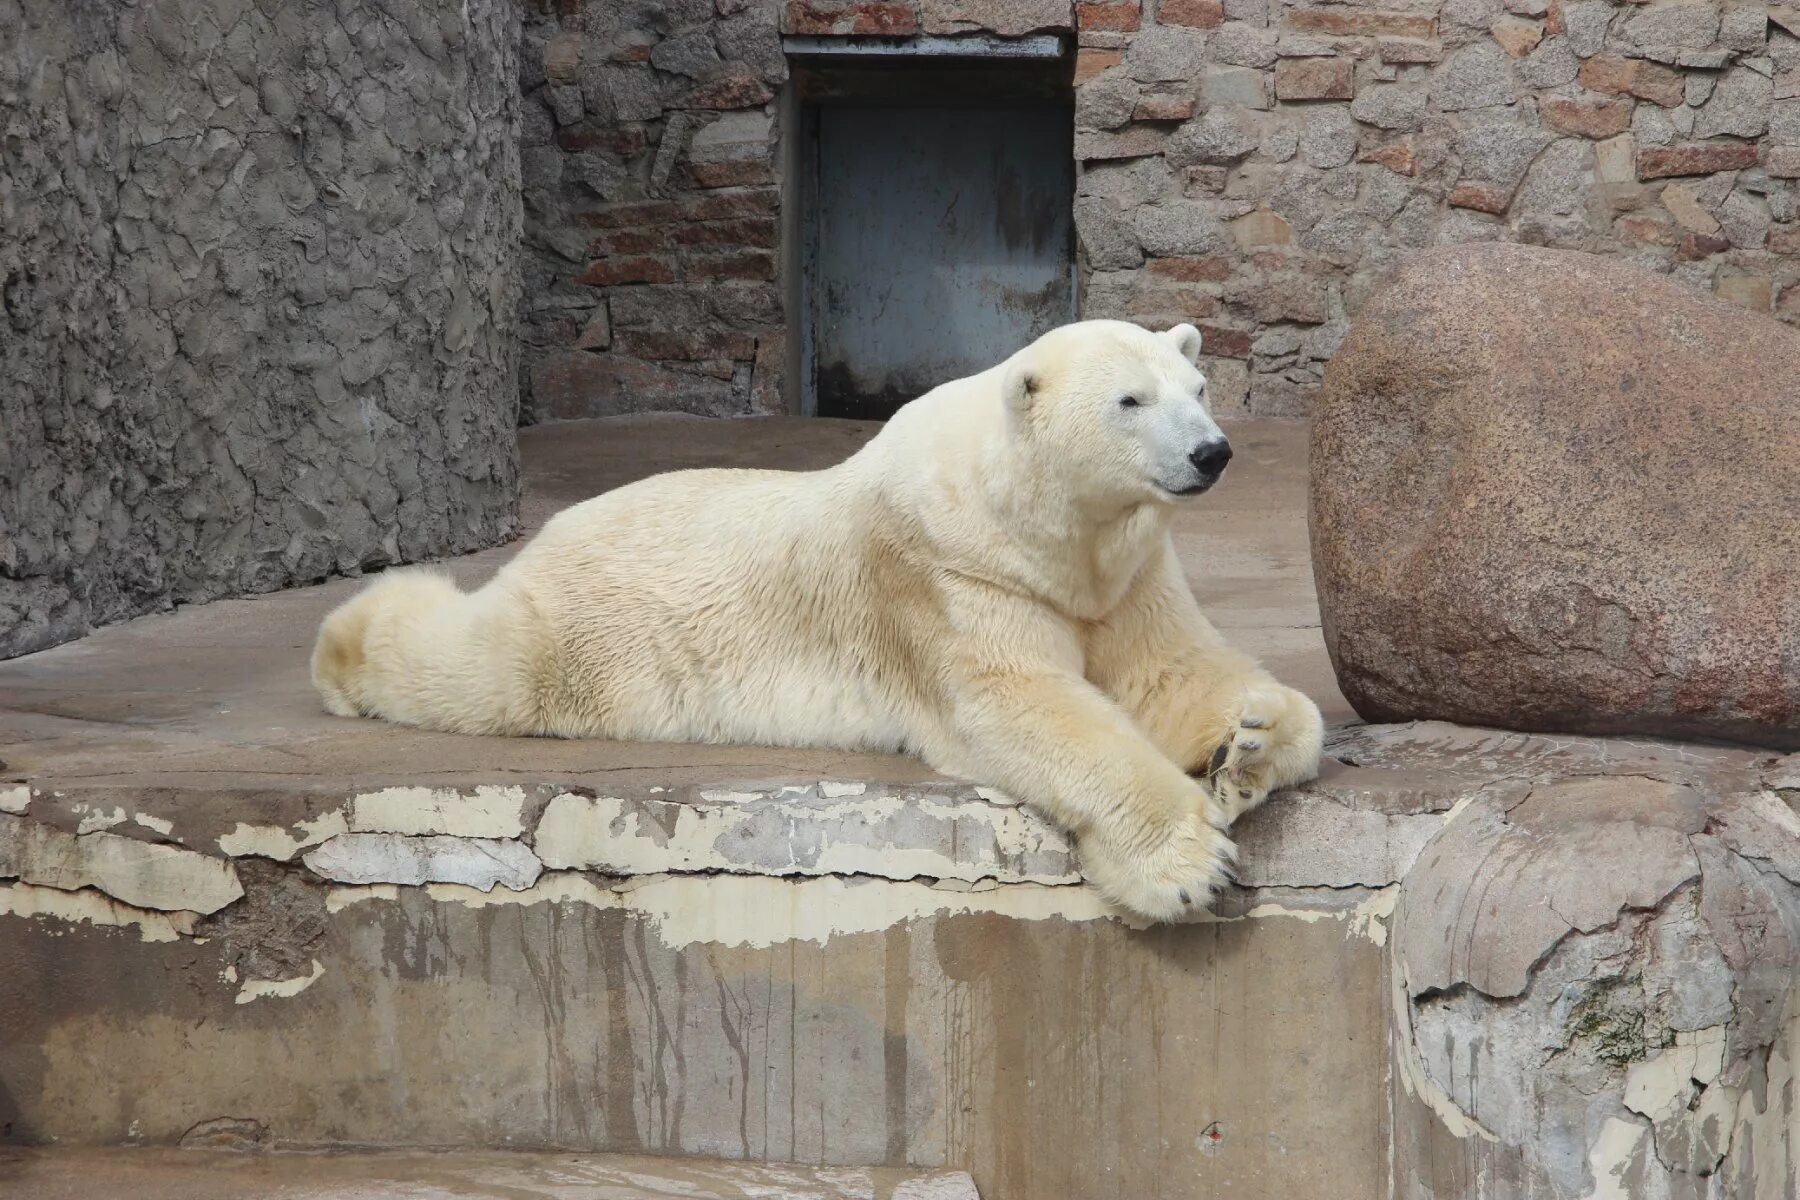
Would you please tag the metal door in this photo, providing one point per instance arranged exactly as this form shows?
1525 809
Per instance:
942 243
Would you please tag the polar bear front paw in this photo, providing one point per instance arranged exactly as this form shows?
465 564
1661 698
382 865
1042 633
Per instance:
1275 742
1175 878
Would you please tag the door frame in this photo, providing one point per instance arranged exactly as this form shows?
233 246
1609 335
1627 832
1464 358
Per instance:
878 72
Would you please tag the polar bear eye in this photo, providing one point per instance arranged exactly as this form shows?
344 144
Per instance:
1129 402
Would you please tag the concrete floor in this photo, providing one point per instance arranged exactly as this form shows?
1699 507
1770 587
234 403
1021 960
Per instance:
216 696
164 1174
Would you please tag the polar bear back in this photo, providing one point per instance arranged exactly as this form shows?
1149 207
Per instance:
726 601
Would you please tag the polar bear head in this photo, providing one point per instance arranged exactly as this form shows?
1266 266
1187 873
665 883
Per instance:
1119 411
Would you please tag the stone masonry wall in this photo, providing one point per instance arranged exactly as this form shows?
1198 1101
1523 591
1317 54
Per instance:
651 210
1257 164
1250 165
258 266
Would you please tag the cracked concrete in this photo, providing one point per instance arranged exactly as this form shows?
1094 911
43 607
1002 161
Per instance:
142 874
193 1174
1592 971
1553 966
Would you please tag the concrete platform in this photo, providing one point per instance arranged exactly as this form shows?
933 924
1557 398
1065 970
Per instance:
215 697
161 1174
1462 964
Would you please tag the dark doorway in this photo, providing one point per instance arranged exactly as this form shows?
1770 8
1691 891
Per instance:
937 222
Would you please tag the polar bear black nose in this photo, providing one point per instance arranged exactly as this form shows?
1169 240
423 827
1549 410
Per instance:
1209 458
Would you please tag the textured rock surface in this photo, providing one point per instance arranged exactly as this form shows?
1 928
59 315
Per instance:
260 302
1595 981
1547 494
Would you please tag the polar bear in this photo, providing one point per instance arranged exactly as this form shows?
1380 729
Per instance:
989 583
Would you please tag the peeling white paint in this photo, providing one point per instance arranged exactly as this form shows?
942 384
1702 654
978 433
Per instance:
91 908
1610 1156
1456 810
1367 920
1370 918
142 874
396 858
15 799
340 898
552 887
753 910
832 790
950 1185
897 836
1664 1085
719 796
257 989
1414 1075
272 841
758 911
95 819
157 823
487 811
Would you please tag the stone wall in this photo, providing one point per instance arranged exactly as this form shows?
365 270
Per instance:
1257 164
1250 165
651 211
260 297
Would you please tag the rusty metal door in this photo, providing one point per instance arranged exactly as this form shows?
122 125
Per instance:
942 242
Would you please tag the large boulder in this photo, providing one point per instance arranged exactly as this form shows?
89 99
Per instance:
1553 492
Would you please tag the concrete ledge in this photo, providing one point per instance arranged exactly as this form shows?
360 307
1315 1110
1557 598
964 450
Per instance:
1463 963
1565 960
158 1174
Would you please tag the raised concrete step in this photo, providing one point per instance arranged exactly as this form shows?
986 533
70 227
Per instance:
1463 964
165 1174
1460 957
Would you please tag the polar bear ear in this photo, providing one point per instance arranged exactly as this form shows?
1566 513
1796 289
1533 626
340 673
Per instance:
1020 387
1187 340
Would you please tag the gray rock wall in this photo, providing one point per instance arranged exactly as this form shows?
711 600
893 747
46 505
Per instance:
258 279
1254 166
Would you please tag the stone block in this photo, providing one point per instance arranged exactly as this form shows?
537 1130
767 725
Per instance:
1112 17
1409 51
1241 87
1008 18
822 18
1315 79
1612 75
1482 197
1585 118
1195 14
1696 159
1262 228
1134 141
1089 63
1397 156
1517 36
1782 162
1359 22
1165 54
1162 107
610 272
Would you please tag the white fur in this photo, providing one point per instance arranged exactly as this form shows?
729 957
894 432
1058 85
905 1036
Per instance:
989 583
